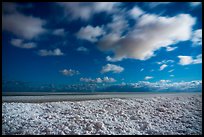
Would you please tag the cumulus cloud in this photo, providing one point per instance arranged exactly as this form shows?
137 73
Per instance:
90 33
160 31
112 68
59 32
85 10
187 60
197 37
98 80
69 72
21 44
136 12
83 49
55 52
163 67
148 77
170 48
24 26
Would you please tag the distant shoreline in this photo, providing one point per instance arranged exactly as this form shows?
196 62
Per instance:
85 93
40 98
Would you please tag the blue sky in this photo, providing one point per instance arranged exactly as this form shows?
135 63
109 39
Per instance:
102 43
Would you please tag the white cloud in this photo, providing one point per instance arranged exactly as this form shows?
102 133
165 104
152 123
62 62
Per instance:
27 27
197 37
59 32
85 10
112 67
165 81
90 33
83 49
171 86
163 67
21 44
187 60
98 80
171 70
160 31
69 72
136 12
170 48
148 77
55 52
195 4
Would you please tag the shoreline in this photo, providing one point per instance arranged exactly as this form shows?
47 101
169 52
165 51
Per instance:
84 97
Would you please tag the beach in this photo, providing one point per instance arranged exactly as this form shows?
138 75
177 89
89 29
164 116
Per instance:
134 114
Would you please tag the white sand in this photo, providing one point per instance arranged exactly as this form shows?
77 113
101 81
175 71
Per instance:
161 114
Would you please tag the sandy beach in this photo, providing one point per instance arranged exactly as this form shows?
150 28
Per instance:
158 114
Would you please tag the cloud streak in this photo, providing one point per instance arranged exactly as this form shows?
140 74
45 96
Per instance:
148 77
55 52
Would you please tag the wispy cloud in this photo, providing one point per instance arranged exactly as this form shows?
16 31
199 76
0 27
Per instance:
170 48
21 44
82 49
85 10
155 4
171 70
98 80
163 67
195 4
69 72
55 52
197 37
59 32
148 77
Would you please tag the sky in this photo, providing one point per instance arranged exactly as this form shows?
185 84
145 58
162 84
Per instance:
101 46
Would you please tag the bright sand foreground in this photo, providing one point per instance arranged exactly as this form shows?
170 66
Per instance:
148 114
